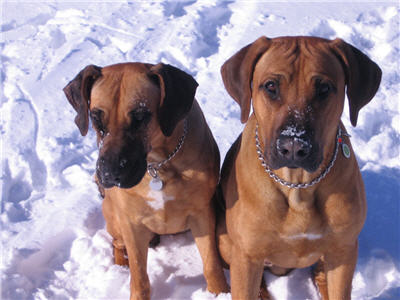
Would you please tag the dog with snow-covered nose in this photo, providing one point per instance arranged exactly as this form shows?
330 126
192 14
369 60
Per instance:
158 162
290 183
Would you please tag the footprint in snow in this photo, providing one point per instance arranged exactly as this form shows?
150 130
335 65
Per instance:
21 137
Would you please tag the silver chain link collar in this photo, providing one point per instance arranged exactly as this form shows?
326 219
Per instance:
152 168
290 184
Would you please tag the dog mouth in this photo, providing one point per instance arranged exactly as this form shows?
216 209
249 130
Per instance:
124 174
122 167
309 166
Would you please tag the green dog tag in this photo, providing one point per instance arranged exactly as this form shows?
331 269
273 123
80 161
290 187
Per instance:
346 150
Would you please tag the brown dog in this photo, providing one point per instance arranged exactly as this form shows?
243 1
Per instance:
146 119
294 194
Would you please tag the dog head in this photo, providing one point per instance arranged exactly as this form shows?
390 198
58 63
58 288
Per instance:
129 105
297 85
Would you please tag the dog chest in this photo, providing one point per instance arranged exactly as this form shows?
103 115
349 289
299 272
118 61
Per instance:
164 213
297 250
291 238
158 199
167 210
295 256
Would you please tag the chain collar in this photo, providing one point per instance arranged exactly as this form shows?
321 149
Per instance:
152 168
297 185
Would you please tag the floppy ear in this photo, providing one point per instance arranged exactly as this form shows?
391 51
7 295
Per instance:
363 76
78 91
177 94
237 73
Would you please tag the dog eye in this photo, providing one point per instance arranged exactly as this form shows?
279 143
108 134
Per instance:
272 88
97 119
323 90
139 117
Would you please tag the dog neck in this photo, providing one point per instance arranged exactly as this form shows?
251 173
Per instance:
163 147
299 178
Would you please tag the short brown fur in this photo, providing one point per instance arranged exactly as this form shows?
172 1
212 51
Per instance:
189 178
286 227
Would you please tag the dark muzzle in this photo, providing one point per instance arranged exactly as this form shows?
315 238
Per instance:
124 168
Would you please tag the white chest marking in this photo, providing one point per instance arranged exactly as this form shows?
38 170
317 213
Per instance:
158 199
300 236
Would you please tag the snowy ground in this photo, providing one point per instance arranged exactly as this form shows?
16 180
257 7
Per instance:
54 245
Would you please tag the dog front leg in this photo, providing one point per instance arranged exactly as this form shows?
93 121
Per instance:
339 267
319 276
137 239
246 275
203 230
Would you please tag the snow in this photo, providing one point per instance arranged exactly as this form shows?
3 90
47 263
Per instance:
292 131
54 242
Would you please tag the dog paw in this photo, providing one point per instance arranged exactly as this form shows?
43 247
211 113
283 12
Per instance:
218 287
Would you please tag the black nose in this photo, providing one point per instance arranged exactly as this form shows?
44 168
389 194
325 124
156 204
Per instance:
293 149
111 171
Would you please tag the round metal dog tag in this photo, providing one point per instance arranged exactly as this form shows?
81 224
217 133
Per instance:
156 184
346 150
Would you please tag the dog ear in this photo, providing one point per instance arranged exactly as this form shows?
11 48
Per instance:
78 91
363 76
237 73
177 94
